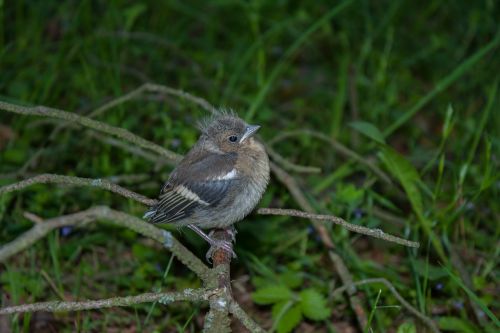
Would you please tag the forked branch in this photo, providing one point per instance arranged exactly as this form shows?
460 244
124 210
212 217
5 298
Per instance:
191 295
104 184
103 213
166 238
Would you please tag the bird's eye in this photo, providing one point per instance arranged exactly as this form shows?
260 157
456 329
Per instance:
233 138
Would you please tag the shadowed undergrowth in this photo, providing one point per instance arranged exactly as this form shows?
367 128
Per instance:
396 102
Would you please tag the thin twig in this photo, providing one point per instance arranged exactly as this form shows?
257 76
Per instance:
146 155
376 233
124 219
156 89
107 185
346 278
130 179
286 164
117 218
33 217
119 100
245 319
297 194
78 181
90 123
203 103
192 295
426 320
219 298
338 263
98 111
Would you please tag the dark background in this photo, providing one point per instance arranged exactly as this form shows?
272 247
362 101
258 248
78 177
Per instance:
422 76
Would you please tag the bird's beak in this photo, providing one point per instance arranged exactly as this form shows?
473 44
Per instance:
249 132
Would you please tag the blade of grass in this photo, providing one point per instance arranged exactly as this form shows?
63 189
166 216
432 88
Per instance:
165 274
183 328
443 84
288 54
245 59
372 312
409 178
54 255
492 96
473 296
341 95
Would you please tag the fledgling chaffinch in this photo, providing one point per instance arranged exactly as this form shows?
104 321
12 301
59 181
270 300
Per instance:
219 181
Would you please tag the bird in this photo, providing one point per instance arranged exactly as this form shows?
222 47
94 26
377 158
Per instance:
218 182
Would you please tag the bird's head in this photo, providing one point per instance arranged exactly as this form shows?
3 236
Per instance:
228 133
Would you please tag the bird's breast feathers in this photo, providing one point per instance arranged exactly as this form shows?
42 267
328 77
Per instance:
214 191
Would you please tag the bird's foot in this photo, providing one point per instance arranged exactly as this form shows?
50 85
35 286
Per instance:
220 244
216 244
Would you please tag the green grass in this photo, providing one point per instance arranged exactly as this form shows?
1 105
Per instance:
411 88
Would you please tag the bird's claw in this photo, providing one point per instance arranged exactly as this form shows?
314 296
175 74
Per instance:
220 244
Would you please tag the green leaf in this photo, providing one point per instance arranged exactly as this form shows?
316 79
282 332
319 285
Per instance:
291 279
132 13
314 305
456 325
407 327
404 171
408 176
272 294
474 297
430 271
349 194
368 130
286 317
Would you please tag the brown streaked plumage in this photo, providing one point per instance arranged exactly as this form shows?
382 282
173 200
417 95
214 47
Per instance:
219 181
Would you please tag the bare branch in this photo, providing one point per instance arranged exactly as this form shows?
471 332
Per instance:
338 264
117 218
286 164
300 198
217 319
153 88
376 233
165 90
33 217
117 101
426 320
146 155
78 181
129 178
156 88
245 319
166 238
191 295
87 122
107 185
346 278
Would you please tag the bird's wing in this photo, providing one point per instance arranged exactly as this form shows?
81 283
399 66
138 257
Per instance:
202 183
